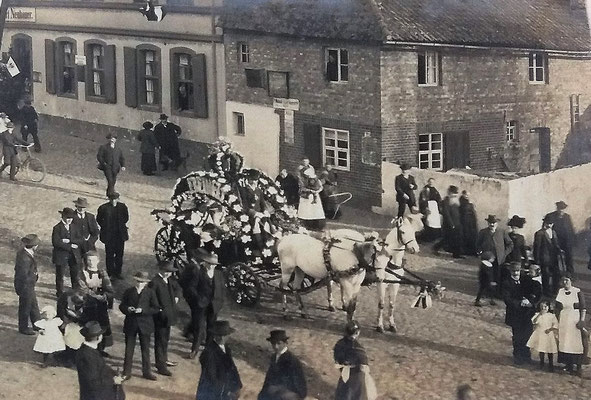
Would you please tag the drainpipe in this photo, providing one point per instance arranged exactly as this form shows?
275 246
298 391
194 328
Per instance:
214 65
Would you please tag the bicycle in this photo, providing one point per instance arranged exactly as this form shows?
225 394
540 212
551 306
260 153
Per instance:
32 167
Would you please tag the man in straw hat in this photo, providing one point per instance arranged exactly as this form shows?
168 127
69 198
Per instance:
498 242
66 250
167 135
85 225
25 279
563 226
9 145
112 217
168 293
139 304
546 251
110 161
219 375
204 291
97 380
285 378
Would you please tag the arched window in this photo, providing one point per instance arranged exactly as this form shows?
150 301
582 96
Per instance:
188 83
100 72
65 62
143 77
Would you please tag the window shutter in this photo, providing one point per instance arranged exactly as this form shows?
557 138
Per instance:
174 80
440 69
88 70
313 144
129 65
50 66
200 83
110 74
546 69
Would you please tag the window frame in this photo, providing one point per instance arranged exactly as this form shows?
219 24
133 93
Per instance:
175 80
427 67
60 65
369 140
89 72
336 148
533 59
431 151
236 117
340 64
513 136
141 78
270 89
242 54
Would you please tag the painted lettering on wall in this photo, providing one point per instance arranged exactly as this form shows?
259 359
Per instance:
20 14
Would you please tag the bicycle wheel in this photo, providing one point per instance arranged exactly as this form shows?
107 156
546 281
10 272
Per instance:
34 169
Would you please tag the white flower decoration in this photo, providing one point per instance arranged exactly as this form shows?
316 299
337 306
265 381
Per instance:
222 180
248 251
232 198
246 228
267 253
264 181
272 190
237 208
245 239
280 199
258 260
225 188
269 242
244 218
217 243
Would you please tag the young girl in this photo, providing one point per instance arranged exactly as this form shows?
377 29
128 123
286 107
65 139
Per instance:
50 339
543 339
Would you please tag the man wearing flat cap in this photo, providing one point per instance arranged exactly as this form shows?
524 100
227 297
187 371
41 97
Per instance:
25 279
97 380
168 293
112 218
85 226
546 251
139 304
521 295
285 378
497 241
66 250
219 376
563 226
167 135
9 146
110 161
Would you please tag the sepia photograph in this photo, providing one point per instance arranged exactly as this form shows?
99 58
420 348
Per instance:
295 199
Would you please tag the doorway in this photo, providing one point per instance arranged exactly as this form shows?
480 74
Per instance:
456 150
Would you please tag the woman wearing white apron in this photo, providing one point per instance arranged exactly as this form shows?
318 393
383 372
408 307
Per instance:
571 303
310 211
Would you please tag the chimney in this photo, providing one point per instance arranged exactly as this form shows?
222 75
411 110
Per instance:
577 4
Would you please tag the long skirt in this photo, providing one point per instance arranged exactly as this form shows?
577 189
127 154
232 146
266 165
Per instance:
148 163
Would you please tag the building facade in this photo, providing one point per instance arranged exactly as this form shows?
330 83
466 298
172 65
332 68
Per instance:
102 65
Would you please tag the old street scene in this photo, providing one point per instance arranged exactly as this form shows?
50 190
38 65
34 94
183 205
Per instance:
295 199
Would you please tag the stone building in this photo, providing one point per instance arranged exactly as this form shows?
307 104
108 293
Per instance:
494 85
96 66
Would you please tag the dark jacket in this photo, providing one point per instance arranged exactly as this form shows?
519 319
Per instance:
110 158
94 375
29 118
148 141
200 291
469 225
166 294
514 293
518 253
546 250
65 310
25 273
87 230
499 243
62 251
348 351
252 199
168 139
9 142
229 163
219 376
485 275
287 373
291 188
563 226
428 193
148 302
113 222
405 186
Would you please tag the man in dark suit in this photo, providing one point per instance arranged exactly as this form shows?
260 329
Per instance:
452 229
521 296
168 292
498 242
139 304
405 186
112 217
563 226
97 380
219 375
167 134
285 378
29 119
85 225
290 186
66 250
9 145
204 292
546 251
25 278
110 161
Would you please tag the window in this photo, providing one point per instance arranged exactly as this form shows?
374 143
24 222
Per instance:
184 83
337 65
255 78
67 72
429 68
278 84
370 149
430 151
149 82
511 131
97 55
575 108
537 68
239 124
243 52
336 148
188 83
100 73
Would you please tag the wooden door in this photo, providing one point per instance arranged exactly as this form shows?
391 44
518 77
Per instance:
545 149
456 150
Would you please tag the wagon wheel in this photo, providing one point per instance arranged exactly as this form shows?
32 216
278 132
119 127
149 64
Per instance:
243 284
165 241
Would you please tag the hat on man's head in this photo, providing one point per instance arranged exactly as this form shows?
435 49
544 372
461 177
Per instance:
277 335
112 196
548 218
91 330
205 256
67 212
91 253
453 189
253 174
142 276
163 116
514 266
352 327
404 166
31 240
81 202
516 221
112 135
492 218
148 125
561 205
166 266
221 328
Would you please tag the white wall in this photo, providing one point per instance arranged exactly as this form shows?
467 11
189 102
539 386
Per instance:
260 144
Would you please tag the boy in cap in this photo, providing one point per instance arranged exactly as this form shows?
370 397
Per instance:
66 252
9 145
285 378
25 279
167 135
110 161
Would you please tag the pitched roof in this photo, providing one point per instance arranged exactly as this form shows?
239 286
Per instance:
539 24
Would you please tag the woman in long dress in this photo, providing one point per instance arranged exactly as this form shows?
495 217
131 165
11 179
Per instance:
310 211
571 303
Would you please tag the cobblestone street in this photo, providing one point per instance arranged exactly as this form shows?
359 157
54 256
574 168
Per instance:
434 351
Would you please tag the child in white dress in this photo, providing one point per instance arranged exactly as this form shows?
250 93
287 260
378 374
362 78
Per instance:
543 339
50 339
